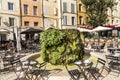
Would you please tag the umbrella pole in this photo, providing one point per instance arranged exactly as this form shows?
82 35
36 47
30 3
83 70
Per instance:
98 41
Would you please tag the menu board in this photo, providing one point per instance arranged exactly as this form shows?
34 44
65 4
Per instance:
114 32
119 34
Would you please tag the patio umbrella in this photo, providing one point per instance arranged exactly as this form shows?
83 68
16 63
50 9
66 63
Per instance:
101 28
84 30
31 31
3 31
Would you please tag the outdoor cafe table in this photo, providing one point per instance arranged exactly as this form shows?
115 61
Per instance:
96 47
115 55
111 50
82 65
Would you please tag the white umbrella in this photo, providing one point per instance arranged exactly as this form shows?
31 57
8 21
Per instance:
3 31
84 30
101 28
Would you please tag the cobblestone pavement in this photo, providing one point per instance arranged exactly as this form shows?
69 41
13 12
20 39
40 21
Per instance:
63 75
7 76
59 76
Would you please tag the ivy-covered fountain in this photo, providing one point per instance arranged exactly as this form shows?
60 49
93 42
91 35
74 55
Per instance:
61 46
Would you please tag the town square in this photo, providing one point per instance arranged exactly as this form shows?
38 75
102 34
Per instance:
59 39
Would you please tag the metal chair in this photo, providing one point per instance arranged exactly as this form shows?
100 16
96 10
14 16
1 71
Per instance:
38 71
6 63
18 68
109 60
115 65
96 72
74 74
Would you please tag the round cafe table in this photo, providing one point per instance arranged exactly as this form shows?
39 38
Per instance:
82 64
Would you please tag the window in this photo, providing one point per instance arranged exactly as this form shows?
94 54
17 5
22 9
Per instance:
34 0
112 21
3 37
0 21
73 20
11 21
47 23
25 9
55 23
0 4
80 7
35 10
35 23
72 8
55 11
46 10
26 23
65 20
80 20
64 7
10 6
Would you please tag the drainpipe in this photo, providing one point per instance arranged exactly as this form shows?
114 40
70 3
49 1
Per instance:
20 13
43 14
20 26
76 13
61 12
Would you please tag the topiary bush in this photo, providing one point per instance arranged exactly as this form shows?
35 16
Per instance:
61 46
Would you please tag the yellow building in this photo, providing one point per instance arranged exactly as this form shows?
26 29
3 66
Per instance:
81 14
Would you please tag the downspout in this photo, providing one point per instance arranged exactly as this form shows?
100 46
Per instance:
61 12
77 13
43 14
20 14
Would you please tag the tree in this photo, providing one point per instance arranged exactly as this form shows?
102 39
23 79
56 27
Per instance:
96 11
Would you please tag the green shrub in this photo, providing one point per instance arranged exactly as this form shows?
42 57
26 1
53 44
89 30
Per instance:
61 46
51 37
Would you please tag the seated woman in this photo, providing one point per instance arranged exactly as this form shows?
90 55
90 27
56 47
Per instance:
10 46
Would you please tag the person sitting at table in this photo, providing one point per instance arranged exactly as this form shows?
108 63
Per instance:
102 46
11 46
110 46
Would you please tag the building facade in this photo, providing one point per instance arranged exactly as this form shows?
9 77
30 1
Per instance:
114 15
50 13
31 13
68 14
9 17
81 14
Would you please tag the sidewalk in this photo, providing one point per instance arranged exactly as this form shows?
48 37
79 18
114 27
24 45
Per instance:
60 75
